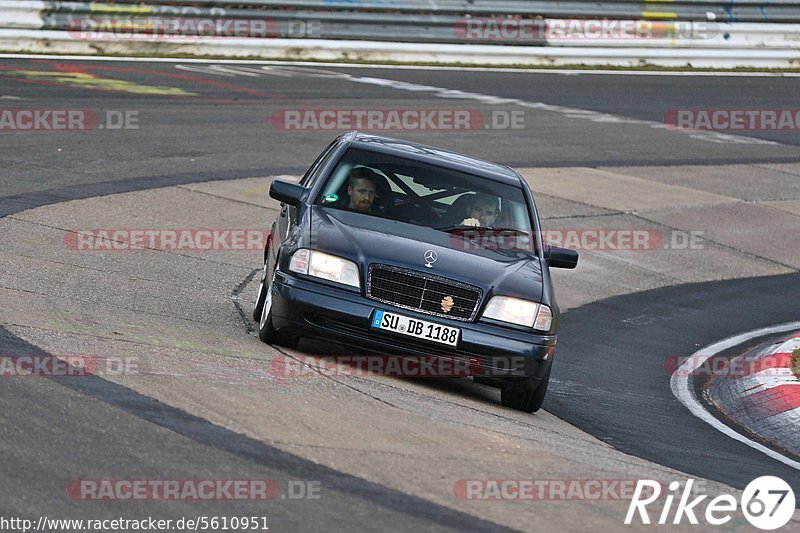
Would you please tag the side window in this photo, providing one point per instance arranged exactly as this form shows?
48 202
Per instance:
314 172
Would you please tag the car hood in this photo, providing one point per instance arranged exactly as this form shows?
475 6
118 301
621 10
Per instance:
367 239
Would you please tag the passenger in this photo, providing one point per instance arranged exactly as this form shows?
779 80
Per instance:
482 211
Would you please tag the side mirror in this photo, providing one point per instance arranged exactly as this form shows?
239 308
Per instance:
560 257
288 193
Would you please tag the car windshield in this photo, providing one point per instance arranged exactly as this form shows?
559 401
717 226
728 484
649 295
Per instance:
444 199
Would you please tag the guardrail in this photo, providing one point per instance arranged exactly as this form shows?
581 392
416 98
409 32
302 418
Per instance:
684 10
583 31
124 21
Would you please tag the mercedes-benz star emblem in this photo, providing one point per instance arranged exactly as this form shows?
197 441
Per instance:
430 258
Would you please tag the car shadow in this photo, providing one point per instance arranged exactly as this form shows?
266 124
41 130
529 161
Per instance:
463 386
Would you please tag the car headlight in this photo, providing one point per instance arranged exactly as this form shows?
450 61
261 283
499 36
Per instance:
325 266
520 312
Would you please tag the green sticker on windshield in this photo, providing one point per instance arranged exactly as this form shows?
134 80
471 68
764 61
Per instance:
330 198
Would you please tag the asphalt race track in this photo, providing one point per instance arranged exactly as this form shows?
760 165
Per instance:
196 125
675 320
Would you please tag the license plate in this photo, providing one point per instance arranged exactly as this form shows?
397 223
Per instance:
414 327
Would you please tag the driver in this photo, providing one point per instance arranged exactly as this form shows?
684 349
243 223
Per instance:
361 188
482 211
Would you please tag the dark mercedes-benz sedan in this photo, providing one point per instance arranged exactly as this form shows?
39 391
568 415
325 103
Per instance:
407 250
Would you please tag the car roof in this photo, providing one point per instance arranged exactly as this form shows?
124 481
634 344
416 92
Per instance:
435 156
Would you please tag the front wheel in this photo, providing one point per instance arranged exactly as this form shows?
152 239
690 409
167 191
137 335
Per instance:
525 395
261 295
266 332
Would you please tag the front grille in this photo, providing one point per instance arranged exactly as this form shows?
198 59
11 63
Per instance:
422 292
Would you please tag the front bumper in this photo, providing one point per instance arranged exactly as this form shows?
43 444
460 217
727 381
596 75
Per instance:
310 308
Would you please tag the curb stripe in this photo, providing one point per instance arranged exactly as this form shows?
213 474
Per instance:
681 385
776 400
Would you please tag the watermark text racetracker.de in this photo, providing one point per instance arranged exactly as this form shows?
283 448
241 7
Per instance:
397 119
193 490
188 28
532 30
733 366
398 366
31 119
733 119
580 239
64 365
166 239
544 489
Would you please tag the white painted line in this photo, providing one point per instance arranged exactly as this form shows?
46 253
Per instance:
568 112
571 72
486 99
786 347
775 377
680 383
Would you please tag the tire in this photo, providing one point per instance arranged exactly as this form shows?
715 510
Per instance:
266 332
261 295
524 395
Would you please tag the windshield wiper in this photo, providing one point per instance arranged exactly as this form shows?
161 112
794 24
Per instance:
461 227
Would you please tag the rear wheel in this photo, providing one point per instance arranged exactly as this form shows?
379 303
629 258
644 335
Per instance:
525 395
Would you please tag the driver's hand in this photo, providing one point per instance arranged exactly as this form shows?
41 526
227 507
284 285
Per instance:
470 222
